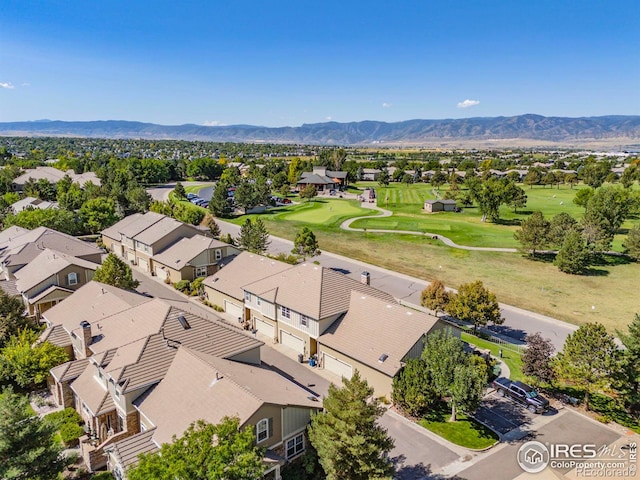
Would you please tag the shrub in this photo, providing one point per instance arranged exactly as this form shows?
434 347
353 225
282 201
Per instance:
196 286
217 308
68 415
70 433
183 285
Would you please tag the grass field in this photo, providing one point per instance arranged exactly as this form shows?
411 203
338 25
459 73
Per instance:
512 359
465 432
466 228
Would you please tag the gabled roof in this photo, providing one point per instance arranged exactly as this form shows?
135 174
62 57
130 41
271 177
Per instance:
178 255
388 327
47 291
69 370
132 227
307 178
94 395
198 386
123 225
56 335
158 230
92 302
47 263
243 269
312 290
20 246
448 202
54 176
33 202
127 452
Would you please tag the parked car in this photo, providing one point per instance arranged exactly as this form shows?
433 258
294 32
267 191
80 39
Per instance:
195 200
521 393
191 195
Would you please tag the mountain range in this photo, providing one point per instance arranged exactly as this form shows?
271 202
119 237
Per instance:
523 130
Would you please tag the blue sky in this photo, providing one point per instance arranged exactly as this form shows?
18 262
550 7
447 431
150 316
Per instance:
281 63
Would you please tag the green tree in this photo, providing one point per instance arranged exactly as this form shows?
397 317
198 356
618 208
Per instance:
12 317
350 443
583 196
309 192
588 360
629 175
188 213
451 371
412 391
279 180
475 304
245 195
438 179
631 244
532 178
71 198
514 196
54 218
533 233
138 200
165 208
219 204
435 297
536 359
97 214
573 257
489 196
571 179
114 271
223 451
609 207
595 173
204 169
27 363
306 244
254 236
383 178
28 449
560 225
628 381
179 191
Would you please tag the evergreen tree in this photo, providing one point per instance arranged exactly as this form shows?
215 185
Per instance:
205 452
254 236
588 359
350 443
533 233
28 449
114 271
574 256
12 317
179 191
309 192
97 214
219 205
631 244
435 297
628 381
560 225
412 389
210 223
306 244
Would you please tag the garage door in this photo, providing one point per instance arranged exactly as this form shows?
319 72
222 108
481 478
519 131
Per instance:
291 341
144 263
263 327
162 273
233 309
336 366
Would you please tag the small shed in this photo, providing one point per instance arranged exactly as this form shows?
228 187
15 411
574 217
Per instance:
440 206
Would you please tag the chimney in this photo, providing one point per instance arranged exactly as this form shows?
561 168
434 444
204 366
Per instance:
365 278
87 337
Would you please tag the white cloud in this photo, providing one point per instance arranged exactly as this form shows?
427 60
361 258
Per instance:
6 85
386 105
329 118
213 123
468 103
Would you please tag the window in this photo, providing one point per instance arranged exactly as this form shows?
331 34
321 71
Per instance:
247 296
120 423
72 278
258 301
201 271
295 446
264 429
304 320
218 254
286 313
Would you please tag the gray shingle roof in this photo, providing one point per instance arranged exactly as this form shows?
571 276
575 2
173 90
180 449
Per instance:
178 255
127 451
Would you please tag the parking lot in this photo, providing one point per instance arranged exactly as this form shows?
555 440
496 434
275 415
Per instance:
504 415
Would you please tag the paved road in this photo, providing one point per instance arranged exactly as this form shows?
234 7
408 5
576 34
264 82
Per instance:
518 322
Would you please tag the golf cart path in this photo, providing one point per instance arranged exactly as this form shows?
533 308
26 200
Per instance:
346 225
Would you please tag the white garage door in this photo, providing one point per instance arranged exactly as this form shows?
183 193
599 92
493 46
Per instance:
337 366
144 263
233 309
263 327
291 341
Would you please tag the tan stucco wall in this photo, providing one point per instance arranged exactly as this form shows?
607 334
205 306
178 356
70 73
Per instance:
218 298
381 383
269 411
308 348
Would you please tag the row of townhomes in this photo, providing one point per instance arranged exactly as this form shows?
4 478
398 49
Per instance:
143 369
317 312
165 247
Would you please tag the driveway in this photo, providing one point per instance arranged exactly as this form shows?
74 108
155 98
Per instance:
501 414
416 454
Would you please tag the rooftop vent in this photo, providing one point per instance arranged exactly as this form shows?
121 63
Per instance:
183 322
382 358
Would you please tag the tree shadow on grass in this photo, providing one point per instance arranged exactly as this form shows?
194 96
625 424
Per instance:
508 221
595 272
542 257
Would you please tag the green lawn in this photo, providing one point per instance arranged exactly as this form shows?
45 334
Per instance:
465 432
512 358
466 228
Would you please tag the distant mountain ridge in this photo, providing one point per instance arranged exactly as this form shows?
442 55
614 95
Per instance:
530 127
